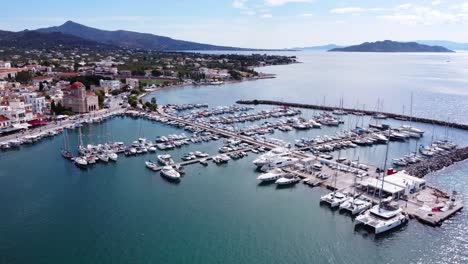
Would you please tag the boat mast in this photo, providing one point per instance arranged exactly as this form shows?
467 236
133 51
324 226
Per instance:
336 170
384 172
80 137
411 109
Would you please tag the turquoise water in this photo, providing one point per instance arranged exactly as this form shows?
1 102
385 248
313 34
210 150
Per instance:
52 212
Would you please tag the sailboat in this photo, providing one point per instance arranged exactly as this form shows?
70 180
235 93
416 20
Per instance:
66 153
384 216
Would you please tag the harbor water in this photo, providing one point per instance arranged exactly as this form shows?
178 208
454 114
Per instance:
53 212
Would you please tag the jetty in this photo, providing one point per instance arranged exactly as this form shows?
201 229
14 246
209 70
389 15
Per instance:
357 111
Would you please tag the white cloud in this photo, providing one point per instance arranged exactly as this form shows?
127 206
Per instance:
409 14
266 16
347 10
240 4
282 2
306 15
249 12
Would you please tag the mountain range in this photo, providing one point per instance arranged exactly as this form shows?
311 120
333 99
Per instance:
72 35
37 40
391 46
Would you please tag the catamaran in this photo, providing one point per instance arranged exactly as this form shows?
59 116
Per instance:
383 216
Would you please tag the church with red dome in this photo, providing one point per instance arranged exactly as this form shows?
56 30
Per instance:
80 101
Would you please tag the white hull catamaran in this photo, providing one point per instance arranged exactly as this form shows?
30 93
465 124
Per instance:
384 216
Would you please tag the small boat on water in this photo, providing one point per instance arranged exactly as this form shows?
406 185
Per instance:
103 157
272 175
112 156
81 162
151 165
287 180
170 173
165 159
66 154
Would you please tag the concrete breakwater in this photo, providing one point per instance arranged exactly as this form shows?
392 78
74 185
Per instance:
360 111
437 163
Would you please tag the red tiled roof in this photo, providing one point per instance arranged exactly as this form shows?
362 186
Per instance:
4 118
77 85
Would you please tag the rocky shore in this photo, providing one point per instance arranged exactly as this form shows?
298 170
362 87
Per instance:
437 163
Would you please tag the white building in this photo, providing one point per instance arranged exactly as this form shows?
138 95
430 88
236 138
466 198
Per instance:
110 84
395 185
38 103
134 83
17 111
5 64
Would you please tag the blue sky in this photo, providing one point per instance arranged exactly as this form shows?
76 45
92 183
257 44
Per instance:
254 23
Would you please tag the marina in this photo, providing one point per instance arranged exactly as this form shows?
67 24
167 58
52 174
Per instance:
349 180
142 196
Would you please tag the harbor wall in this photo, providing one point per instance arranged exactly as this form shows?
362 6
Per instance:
436 163
349 110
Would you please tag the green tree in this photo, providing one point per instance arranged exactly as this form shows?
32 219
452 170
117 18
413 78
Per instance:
23 77
101 97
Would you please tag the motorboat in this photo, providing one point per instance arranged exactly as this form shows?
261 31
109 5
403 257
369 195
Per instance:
287 180
103 157
112 156
170 173
165 159
334 199
272 175
81 162
267 157
151 165
279 162
382 217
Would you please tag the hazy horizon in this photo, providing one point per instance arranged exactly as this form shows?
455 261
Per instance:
257 23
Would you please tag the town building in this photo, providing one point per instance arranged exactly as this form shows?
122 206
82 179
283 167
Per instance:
4 122
134 83
80 101
110 84
5 64
38 103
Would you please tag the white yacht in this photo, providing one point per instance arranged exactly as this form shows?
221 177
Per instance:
356 205
279 162
170 173
165 159
81 162
267 157
334 199
112 156
287 180
103 157
272 175
382 217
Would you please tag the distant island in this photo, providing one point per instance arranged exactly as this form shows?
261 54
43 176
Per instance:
391 46
323 47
